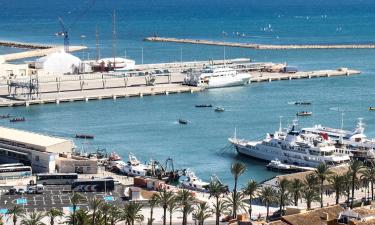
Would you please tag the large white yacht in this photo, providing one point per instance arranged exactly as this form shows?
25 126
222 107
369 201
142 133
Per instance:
292 147
133 167
217 77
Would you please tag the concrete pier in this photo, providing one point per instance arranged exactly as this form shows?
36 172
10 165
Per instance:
38 52
261 46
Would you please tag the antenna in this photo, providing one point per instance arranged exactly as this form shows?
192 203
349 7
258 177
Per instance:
235 133
224 57
114 39
97 43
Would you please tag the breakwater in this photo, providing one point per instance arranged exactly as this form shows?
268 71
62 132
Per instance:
261 46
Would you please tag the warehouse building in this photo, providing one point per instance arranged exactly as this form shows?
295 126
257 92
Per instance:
43 153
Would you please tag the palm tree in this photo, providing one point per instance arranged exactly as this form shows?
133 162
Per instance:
354 168
75 199
216 189
15 212
172 207
132 213
202 212
114 214
337 182
82 217
220 207
53 213
250 190
296 188
237 169
323 173
95 204
283 193
153 202
268 195
347 179
311 192
104 211
185 201
238 199
1 220
369 175
163 198
34 218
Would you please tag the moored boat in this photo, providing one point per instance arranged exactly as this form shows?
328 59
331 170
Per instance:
304 113
217 77
371 108
192 182
7 116
84 136
17 119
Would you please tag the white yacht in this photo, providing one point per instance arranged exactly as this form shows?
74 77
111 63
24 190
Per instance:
356 134
292 147
217 77
192 182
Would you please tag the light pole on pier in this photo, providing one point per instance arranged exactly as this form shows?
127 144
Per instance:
181 56
83 44
142 54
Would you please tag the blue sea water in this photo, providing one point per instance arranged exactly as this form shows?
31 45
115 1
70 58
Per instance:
147 126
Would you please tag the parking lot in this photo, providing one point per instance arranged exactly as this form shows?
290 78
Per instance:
57 196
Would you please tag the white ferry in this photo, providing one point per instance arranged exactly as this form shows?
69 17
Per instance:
217 77
293 147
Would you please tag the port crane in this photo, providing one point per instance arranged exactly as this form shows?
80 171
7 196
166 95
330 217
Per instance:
65 29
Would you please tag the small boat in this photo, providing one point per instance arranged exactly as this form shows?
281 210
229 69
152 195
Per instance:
304 113
371 108
299 103
219 109
182 121
7 116
277 165
17 119
203 106
84 136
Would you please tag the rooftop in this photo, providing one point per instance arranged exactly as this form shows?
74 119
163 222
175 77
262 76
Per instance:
27 137
314 217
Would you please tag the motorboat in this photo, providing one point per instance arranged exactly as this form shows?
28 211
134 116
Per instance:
84 136
182 121
17 119
219 109
299 103
135 168
7 116
303 113
371 108
204 106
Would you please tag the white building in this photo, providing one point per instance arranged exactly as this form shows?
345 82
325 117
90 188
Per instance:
45 154
58 63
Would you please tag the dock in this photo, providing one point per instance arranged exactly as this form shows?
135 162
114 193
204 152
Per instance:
144 81
260 46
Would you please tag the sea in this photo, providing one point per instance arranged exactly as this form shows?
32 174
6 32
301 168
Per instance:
148 126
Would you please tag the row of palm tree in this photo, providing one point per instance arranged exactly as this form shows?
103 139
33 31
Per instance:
183 201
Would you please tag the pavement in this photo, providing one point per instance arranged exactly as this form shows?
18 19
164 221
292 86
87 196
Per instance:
57 196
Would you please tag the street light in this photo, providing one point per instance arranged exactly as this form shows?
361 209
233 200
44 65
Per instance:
83 44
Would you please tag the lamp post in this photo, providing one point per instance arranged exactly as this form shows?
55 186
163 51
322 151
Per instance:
83 44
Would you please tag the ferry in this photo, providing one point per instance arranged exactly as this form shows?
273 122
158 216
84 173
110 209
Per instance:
293 147
217 77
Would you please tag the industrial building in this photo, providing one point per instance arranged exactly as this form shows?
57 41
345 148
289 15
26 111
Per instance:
43 153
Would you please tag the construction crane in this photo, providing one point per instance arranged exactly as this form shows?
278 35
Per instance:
65 29
65 34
